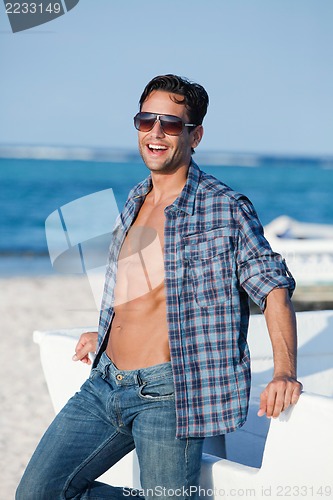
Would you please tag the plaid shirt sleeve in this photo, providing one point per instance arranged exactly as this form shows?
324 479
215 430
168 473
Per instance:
260 270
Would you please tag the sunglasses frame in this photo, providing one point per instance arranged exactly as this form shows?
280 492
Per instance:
158 117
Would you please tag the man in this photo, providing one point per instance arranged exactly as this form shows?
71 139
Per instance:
172 364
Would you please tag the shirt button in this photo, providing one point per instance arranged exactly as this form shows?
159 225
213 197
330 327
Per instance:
119 377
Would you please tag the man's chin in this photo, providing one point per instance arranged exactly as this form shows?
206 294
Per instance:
160 167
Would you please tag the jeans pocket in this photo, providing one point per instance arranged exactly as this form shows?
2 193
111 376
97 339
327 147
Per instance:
157 390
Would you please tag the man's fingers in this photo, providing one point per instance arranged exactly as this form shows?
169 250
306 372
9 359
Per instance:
288 397
278 396
261 412
84 359
87 343
292 393
271 401
296 393
267 402
263 403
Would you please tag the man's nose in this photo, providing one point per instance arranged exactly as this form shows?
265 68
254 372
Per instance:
157 129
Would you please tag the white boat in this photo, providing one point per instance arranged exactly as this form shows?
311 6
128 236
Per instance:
307 248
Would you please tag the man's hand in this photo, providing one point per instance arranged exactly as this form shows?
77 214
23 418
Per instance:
279 394
87 343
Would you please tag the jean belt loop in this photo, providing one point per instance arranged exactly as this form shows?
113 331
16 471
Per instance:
105 371
139 379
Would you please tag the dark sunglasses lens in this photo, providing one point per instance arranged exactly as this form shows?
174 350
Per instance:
171 125
144 121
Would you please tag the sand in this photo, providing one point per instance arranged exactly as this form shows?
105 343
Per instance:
28 304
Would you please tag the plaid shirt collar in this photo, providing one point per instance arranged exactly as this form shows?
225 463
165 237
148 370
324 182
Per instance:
186 200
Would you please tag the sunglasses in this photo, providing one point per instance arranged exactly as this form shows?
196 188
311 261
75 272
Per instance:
171 125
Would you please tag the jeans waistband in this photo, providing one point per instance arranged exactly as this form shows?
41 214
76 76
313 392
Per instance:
128 377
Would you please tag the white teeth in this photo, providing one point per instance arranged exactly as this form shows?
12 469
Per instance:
156 146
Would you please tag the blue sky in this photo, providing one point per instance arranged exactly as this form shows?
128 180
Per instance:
266 64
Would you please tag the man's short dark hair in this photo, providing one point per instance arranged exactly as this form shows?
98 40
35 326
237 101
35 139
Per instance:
194 96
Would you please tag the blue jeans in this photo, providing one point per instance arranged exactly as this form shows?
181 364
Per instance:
115 412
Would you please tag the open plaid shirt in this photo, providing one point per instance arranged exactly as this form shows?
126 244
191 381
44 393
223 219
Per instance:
215 257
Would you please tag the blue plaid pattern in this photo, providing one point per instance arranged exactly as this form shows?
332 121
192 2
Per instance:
215 258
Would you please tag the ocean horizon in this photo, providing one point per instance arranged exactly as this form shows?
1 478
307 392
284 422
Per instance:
120 155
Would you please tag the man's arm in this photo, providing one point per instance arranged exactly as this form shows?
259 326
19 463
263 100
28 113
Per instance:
284 389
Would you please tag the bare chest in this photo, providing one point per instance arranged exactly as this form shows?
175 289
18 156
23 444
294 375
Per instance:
141 261
146 233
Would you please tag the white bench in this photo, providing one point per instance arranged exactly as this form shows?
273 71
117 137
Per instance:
297 460
315 370
258 456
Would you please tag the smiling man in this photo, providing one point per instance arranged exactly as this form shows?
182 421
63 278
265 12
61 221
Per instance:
172 362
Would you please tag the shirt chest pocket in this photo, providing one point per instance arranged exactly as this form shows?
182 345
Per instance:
209 266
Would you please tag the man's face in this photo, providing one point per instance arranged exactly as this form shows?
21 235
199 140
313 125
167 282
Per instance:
161 152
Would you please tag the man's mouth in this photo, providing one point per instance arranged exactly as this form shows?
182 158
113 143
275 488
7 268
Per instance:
156 147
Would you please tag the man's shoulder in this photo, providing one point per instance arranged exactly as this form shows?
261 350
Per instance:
212 186
213 191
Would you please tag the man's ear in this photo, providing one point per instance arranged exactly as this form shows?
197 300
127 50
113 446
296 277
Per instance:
197 136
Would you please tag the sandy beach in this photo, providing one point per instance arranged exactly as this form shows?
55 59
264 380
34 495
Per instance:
28 304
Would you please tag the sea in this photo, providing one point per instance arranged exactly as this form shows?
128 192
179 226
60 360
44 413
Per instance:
32 188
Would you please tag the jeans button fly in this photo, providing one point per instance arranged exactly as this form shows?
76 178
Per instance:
119 377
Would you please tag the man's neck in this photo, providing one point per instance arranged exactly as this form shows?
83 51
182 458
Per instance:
166 186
